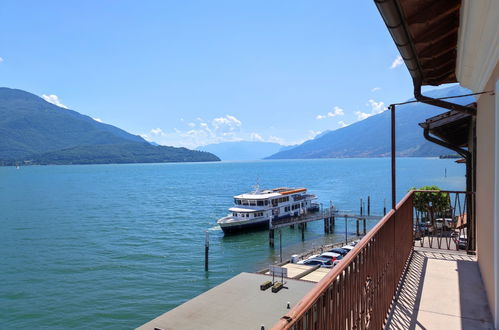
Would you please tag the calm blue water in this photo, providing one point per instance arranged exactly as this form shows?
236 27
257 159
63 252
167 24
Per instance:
104 246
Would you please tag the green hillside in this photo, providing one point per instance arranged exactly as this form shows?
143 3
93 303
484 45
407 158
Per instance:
35 131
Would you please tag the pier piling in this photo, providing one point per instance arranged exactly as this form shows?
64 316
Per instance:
368 205
206 250
271 237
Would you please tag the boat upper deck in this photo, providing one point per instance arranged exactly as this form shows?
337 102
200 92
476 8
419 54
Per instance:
270 193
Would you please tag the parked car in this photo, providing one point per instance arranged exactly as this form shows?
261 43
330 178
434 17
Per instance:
323 262
444 223
462 242
332 255
348 247
341 251
335 257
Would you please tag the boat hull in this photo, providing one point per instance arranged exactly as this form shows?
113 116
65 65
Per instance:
245 227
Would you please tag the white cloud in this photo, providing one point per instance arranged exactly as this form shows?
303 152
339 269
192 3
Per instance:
375 89
337 111
312 134
276 139
54 99
157 132
1 59
227 123
377 106
342 124
256 137
98 119
191 125
397 62
362 115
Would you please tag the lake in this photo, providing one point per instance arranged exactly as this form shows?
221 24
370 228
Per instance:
113 246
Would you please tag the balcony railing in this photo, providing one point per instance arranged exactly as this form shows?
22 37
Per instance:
358 292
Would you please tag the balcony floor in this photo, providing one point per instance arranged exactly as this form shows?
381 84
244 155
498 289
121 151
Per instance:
441 290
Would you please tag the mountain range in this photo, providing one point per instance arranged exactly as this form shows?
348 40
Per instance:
371 137
35 131
243 150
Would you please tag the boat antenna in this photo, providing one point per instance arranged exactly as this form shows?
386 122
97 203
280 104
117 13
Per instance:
257 186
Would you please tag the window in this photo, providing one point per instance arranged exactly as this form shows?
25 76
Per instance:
259 203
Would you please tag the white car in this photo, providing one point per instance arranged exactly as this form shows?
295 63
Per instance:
323 262
348 247
335 257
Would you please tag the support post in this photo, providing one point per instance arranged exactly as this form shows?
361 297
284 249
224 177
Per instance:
271 237
368 205
393 149
280 244
365 226
206 250
333 221
346 230
361 209
357 223
302 231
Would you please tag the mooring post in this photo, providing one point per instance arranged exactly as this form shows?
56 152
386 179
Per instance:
346 230
326 229
357 223
206 250
333 221
271 237
365 226
384 206
361 206
303 231
368 205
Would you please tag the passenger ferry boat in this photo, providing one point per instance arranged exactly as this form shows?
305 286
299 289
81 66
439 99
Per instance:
254 210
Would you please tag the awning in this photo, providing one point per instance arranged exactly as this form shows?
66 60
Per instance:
425 33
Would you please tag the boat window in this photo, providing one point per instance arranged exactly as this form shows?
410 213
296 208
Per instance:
266 202
259 203
253 203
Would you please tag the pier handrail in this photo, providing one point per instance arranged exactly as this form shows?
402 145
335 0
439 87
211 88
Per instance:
329 286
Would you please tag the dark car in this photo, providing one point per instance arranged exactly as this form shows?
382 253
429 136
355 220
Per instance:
341 251
323 262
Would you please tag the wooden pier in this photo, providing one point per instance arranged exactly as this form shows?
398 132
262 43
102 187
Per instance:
328 216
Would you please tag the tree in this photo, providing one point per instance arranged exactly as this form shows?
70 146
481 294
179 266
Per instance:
431 202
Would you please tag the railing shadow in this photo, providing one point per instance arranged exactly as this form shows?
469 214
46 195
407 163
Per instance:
404 313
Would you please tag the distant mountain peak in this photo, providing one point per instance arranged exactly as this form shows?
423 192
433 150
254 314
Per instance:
371 137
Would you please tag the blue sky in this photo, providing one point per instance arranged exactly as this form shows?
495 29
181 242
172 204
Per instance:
189 73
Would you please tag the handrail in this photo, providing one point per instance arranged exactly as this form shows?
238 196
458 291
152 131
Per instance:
311 297
341 296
